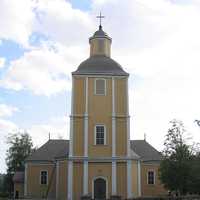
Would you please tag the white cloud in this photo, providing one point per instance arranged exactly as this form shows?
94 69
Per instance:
62 23
16 20
7 110
2 61
44 71
57 127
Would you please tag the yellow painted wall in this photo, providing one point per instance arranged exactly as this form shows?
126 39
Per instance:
120 96
122 179
79 96
34 188
78 136
77 180
94 47
151 190
121 137
100 170
100 112
63 169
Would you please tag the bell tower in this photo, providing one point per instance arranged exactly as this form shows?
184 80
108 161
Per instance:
99 121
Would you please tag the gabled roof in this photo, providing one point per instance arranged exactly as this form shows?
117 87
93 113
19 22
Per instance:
145 150
50 151
100 65
57 149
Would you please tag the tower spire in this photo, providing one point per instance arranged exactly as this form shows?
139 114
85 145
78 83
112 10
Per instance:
100 17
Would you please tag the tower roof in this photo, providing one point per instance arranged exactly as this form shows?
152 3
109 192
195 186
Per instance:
100 65
100 33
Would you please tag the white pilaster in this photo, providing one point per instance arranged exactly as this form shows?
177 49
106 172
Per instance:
139 177
25 180
86 119
57 179
114 165
71 121
128 121
114 179
129 179
85 178
113 119
70 181
128 137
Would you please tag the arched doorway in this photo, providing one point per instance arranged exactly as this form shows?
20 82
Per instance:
99 188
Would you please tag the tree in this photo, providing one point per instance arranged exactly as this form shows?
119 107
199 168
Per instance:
20 147
175 168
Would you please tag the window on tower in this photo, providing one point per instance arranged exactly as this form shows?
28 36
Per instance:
100 87
100 135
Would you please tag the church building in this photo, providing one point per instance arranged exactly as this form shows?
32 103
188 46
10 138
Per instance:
99 161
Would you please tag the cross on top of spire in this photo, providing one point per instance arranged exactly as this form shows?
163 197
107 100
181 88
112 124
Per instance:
100 18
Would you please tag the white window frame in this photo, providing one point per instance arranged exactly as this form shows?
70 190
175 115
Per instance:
40 178
104 86
154 177
95 140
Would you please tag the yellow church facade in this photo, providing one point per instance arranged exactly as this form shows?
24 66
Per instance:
99 161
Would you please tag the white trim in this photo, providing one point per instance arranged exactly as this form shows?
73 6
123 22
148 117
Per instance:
85 178
154 176
86 119
25 180
57 179
139 178
86 95
128 121
104 86
41 177
114 178
113 120
101 159
129 179
71 121
70 181
104 178
105 135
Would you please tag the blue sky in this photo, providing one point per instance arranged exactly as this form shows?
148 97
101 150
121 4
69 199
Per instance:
42 42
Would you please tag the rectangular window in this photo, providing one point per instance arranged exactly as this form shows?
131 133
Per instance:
43 177
100 134
100 87
151 177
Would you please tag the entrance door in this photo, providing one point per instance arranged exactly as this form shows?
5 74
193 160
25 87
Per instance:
99 189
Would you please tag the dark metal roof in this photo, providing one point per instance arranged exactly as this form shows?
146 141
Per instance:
50 151
18 177
100 65
145 150
100 33
58 149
